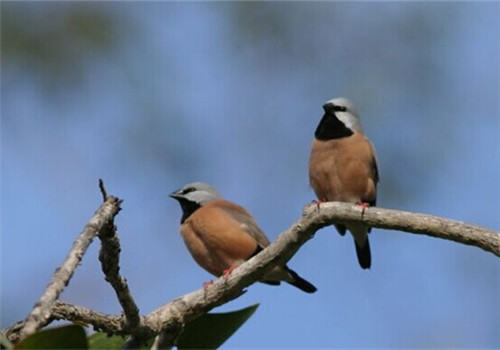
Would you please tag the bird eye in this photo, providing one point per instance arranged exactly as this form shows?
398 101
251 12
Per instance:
187 190
339 108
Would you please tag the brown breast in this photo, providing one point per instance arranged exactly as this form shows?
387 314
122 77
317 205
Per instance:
216 240
343 169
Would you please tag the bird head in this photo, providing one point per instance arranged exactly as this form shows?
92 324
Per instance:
195 192
344 110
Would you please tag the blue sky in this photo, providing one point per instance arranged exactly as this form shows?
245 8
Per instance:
230 94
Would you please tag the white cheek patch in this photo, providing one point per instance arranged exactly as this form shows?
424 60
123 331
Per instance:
350 121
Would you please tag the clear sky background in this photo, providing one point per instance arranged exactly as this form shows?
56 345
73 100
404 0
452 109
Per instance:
150 96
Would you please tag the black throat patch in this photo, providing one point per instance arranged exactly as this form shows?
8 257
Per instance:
330 127
188 208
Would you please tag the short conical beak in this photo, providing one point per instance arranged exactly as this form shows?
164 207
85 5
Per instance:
175 195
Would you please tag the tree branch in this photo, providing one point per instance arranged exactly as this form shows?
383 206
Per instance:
180 311
109 324
109 256
170 318
106 323
429 225
42 310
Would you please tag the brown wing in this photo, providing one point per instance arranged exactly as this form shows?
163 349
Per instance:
375 172
246 221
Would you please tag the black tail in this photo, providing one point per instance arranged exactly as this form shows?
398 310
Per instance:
341 229
300 283
364 255
271 283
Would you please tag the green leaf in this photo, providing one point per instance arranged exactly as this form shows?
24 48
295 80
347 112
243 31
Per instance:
4 341
211 330
100 340
65 337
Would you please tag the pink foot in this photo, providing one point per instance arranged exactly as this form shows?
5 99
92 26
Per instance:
228 271
317 202
364 205
207 284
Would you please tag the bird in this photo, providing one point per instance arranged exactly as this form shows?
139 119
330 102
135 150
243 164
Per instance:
220 235
343 167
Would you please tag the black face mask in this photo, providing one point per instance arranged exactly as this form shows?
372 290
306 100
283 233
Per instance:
330 127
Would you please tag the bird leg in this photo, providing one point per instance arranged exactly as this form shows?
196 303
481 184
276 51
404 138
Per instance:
317 202
207 284
228 271
364 205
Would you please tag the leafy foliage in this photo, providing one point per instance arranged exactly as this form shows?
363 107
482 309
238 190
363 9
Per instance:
65 337
100 340
211 330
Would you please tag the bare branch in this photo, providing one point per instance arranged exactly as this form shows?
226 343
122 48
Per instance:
42 310
109 256
110 324
103 190
13 332
169 319
179 311
430 225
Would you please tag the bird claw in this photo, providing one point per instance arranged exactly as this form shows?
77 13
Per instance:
317 202
228 271
207 284
364 205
